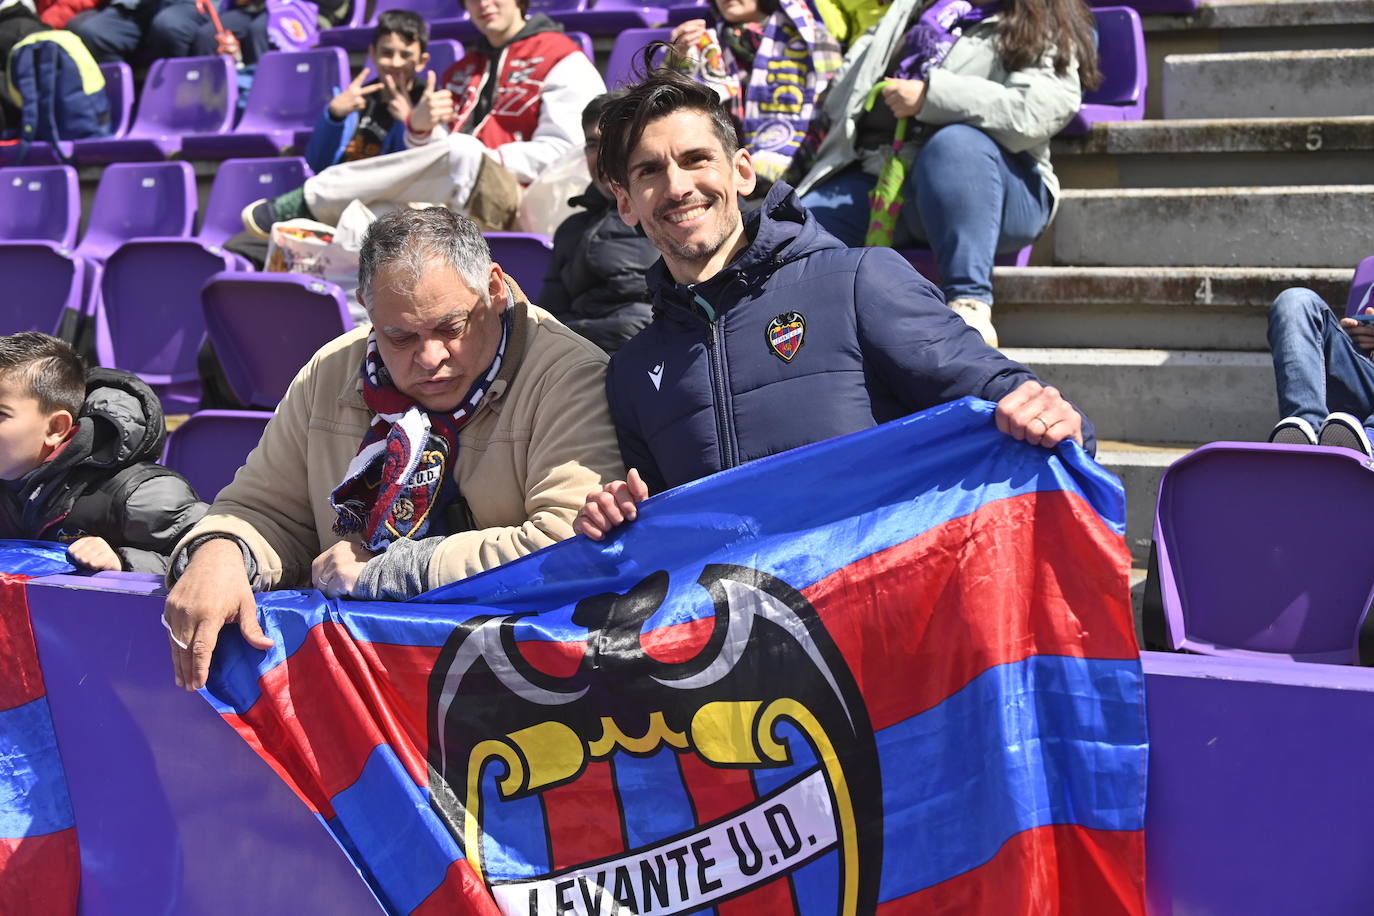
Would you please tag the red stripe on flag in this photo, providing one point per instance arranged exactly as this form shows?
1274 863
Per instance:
553 657
1002 581
718 792
40 875
21 679
460 894
581 817
401 678
1062 869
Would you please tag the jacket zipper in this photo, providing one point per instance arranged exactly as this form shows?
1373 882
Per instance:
718 388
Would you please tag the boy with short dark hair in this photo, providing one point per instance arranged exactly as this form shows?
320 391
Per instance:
77 455
366 118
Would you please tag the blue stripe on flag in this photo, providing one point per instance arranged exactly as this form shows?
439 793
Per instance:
406 848
33 785
1046 740
652 797
515 843
816 885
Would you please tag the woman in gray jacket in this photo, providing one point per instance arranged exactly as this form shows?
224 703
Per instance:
986 87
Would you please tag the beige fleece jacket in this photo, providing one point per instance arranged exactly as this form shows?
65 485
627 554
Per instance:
540 441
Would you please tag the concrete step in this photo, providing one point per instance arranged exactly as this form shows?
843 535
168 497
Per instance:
1163 308
1218 152
1269 84
1140 468
1286 226
1168 397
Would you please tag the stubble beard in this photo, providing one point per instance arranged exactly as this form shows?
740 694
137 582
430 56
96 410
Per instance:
694 253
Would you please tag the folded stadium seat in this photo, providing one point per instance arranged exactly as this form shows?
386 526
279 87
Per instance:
1361 288
624 62
290 89
1147 7
40 203
358 37
585 41
923 259
119 91
136 199
612 17
443 53
212 445
46 288
677 15
265 327
1261 551
1121 56
522 255
148 319
239 182
181 96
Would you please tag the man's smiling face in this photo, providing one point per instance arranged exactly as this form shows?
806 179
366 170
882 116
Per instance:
683 189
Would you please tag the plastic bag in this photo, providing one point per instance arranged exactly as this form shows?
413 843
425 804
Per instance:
544 205
304 246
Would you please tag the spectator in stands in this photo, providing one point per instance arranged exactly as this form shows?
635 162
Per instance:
769 334
368 118
18 20
595 283
770 60
1323 371
138 31
988 87
505 111
248 20
459 432
77 455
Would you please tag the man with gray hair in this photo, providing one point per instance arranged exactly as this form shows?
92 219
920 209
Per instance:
460 431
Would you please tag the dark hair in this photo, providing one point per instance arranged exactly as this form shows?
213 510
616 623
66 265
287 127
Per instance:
1028 27
592 113
409 27
766 7
52 372
662 92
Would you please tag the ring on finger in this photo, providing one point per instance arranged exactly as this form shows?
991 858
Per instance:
168 627
1042 423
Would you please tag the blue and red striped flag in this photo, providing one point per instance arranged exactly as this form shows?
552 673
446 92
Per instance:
40 867
894 672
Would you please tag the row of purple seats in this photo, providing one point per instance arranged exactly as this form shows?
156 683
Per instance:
448 20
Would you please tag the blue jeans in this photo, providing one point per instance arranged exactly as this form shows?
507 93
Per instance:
966 197
1317 368
157 29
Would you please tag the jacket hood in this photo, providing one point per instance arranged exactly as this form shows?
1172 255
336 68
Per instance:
591 199
781 230
121 423
533 26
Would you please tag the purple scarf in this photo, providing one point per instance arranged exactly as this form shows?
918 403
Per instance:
935 32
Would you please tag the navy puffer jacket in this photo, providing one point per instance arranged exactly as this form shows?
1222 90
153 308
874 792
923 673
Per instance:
705 388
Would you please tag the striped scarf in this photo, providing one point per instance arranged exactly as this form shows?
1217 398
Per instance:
398 484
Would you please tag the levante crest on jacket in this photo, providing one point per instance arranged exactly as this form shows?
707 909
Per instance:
631 715
916 690
786 333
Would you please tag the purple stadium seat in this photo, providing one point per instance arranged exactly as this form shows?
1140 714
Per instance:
1261 551
181 96
1121 97
119 91
523 256
1147 7
585 41
443 53
1361 288
210 447
624 62
290 89
265 327
136 199
358 37
239 182
555 8
45 288
40 203
677 15
613 17
149 320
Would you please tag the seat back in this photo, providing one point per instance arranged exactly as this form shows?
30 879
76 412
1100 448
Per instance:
290 88
429 10
212 445
585 41
626 57
1262 550
554 7
239 182
524 256
443 53
151 321
1361 288
43 287
136 199
43 202
187 95
1121 57
119 92
265 327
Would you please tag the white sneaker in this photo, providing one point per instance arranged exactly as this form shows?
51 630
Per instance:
977 314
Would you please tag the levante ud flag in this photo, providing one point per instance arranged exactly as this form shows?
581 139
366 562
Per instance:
894 672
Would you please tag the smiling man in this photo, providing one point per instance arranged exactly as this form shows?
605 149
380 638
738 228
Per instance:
769 334
460 432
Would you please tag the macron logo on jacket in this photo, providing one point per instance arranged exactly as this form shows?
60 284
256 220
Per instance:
656 375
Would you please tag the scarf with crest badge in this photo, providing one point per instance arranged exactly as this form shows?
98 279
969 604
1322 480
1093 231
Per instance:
401 480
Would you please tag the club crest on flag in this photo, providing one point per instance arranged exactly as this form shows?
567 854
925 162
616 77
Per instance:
740 705
786 334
